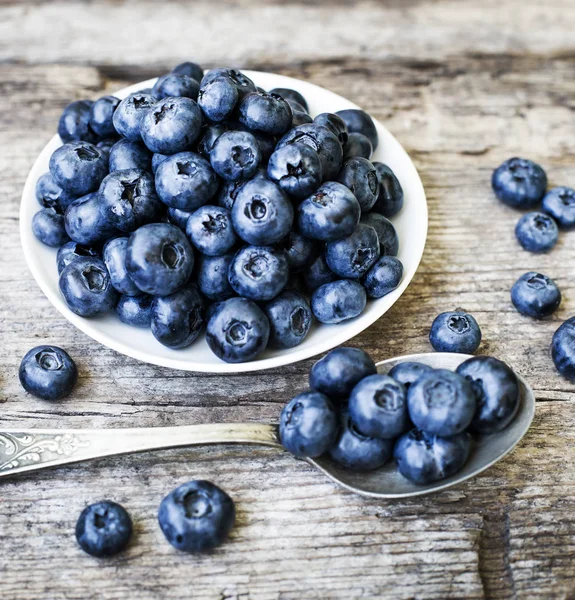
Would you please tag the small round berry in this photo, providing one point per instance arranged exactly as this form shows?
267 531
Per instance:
104 529
48 372
535 295
537 232
455 332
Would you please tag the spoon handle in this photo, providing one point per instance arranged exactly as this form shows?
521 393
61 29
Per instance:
36 449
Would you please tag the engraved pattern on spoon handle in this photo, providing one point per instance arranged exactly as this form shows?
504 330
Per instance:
35 449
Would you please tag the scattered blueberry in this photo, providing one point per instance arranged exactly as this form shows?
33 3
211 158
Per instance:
338 372
519 183
331 213
338 301
317 274
86 223
535 295
390 197
177 318
212 277
86 286
74 123
455 332
135 310
290 319
176 85
197 516
383 277
496 391
441 402
129 113
235 155
104 529
268 113
238 330
308 425
360 176
78 167
129 155
114 256
355 451
101 116
289 94
262 214
563 349
259 272
424 458
159 258
48 226
296 168
408 373
388 239
559 202
357 146
48 372
353 256
537 232
70 251
358 121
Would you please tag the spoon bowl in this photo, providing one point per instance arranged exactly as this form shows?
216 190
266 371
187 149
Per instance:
37 449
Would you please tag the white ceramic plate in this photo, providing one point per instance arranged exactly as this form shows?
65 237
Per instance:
411 225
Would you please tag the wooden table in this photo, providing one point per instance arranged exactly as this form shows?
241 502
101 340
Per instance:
463 85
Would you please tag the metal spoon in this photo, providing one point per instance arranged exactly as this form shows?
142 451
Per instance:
37 449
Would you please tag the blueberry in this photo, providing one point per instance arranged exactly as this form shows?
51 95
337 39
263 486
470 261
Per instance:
178 317
159 258
298 114
559 202
135 310
408 373
331 213
197 516
129 155
129 113
358 121
101 116
235 155
268 113
289 94
185 181
176 86
259 272
496 391
290 319
74 123
50 195
157 160
296 168
218 98
355 451
242 82
209 136
390 196
48 226
378 407
210 230
308 425
455 332
535 295
48 372
353 256
189 69
128 199
320 139
262 214
228 193
85 222
359 175
338 372
70 251
299 250
267 145
386 234
317 274
114 256
78 167
441 402
537 232
424 458
238 330
106 144
212 277
336 125
338 301
357 146
563 349
383 277
519 183
86 286
104 529
179 217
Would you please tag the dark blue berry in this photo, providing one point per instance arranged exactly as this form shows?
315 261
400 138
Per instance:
563 349
70 251
218 98
388 239
296 168
78 167
212 277
85 221
317 274
235 155
114 256
455 332
268 113
519 183
338 301
559 202
157 159
290 319
209 136
50 195
102 114
299 250
175 85
359 175
129 155
135 310
336 125
190 69
48 372
210 230
74 123
357 145
49 227
289 94
358 121
129 113
383 277
535 295
408 373
390 197
537 232
352 256
104 529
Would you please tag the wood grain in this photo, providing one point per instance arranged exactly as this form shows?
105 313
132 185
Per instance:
463 85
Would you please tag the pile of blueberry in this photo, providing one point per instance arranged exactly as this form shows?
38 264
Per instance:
206 200
522 184
195 517
423 417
